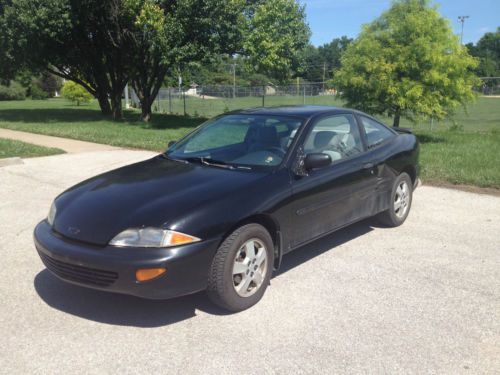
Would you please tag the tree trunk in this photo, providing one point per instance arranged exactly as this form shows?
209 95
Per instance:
116 105
146 98
104 104
146 111
146 87
397 117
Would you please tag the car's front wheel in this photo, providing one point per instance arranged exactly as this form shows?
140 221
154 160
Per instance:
401 198
241 268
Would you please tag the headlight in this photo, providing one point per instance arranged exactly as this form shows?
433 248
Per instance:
52 214
151 237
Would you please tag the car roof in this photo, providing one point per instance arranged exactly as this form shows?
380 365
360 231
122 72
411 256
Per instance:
305 111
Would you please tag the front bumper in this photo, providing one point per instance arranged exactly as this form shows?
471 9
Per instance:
113 269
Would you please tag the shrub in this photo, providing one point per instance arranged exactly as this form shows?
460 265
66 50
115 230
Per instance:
37 93
12 92
75 92
49 83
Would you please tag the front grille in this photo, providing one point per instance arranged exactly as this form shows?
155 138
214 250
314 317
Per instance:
79 274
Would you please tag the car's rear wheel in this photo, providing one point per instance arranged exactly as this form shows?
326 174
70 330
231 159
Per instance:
401 198
241 268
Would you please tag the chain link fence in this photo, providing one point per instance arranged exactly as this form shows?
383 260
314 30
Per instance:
210 100
490 86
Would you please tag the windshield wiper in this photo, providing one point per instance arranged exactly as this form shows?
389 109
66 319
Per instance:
210 161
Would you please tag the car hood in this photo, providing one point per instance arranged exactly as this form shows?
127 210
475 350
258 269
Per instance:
154 192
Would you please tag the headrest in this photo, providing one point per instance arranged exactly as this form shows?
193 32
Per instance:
268 134
323 138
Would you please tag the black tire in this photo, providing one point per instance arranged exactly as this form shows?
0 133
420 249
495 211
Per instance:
221 289
390 217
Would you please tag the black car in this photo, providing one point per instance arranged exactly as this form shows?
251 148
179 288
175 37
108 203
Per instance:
219 209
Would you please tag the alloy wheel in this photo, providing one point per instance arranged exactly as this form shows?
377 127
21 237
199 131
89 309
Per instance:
402 199
249 268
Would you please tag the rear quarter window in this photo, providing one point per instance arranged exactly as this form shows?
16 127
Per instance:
376 133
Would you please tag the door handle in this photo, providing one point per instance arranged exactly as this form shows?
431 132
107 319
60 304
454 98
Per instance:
368 165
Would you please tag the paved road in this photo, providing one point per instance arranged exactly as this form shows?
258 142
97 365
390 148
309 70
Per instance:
422 298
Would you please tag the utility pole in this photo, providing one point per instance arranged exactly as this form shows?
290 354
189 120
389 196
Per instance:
127 100
180 84
324 74
462 20
234 80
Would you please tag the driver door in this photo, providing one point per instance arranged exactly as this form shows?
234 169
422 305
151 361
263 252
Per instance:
334 196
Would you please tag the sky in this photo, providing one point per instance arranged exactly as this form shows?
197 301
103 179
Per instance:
330 19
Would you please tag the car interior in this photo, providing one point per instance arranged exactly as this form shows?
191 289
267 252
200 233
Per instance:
336 136
264 140
251 140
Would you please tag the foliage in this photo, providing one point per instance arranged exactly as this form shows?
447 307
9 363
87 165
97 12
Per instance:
487 50
37 93
321 62
275 37
8 67
14 91
39 86
171 35
83 41
75 93
407 63
219 71
103 44
49 83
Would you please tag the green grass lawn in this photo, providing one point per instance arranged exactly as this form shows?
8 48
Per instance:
460 158
470 156
10 148
60 118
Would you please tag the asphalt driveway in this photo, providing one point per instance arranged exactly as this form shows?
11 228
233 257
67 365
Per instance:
421 298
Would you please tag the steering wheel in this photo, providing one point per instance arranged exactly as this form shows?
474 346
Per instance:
276 150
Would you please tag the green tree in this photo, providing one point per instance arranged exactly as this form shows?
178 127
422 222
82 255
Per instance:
49 83
8 67
171 35
323 61
275 36
407 63
80 40
12 91
75 92
487 50
103 44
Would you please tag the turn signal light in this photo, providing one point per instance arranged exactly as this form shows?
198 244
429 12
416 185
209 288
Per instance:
147 274
180 238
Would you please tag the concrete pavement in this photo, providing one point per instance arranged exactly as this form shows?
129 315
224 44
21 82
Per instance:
421 298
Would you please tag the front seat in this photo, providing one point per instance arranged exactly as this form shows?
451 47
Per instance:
266 137
345 143
323 142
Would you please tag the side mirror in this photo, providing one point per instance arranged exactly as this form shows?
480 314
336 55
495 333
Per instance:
316 160
171 143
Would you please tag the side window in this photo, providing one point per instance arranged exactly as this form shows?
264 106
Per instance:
375 133
337 136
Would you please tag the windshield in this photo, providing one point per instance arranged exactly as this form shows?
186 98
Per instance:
239 141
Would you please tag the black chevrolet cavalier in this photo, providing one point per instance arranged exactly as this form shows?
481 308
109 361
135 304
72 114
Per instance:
219 209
